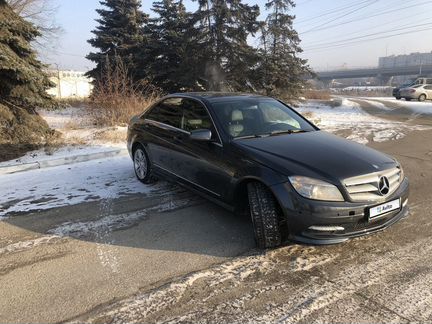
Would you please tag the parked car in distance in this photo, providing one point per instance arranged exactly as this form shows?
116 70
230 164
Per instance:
419 92
418 81
254 154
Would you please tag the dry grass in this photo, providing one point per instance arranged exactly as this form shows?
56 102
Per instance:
73 102
72 125
317 94
113 135
116 98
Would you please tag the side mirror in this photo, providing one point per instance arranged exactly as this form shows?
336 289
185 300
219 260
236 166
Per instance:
202 135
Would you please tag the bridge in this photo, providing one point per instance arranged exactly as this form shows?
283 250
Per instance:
381 73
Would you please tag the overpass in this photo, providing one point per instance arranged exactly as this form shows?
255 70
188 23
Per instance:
381 73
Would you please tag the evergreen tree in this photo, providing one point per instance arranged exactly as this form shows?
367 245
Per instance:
281 71
169 59
119 34
23 84
227 56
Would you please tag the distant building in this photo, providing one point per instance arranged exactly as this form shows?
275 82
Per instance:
413 59
70 84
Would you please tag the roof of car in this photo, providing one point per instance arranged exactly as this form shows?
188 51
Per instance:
218 96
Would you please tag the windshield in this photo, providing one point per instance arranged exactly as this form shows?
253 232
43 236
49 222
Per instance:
258 117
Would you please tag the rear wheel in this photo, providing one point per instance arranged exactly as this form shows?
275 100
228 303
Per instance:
265 214
142 164
398 98
422 97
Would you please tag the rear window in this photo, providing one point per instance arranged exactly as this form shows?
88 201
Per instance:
168 112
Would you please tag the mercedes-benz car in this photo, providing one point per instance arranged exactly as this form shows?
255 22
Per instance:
254 154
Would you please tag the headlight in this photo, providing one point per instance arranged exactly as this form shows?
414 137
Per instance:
315 189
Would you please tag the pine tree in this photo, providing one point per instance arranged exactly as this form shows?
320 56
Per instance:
119 34
169 58
282 71
23 82
225 27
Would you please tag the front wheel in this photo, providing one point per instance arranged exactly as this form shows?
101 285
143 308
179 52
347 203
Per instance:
265 215
398 98
422 97
142 164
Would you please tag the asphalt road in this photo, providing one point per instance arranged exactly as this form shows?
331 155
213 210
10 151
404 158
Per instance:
173 257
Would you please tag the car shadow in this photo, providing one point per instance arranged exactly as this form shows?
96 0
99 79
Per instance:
181 222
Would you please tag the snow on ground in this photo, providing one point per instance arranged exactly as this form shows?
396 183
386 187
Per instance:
62 152
350 120
424 107
69 185
79 135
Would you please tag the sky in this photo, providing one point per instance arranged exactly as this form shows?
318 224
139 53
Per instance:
335 33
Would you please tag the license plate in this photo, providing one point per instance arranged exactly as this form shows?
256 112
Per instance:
384 208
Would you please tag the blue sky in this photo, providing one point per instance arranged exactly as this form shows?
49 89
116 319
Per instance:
334 33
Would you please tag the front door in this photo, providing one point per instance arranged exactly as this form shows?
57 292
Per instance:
201 163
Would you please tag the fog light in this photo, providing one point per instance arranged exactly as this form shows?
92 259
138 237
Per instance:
326 228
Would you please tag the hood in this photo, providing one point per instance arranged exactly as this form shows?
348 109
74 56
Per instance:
315 154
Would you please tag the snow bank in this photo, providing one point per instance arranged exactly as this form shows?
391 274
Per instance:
351 121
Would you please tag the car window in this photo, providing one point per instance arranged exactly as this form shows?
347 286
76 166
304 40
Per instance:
429 81
417 86
168 111
429 87
195 116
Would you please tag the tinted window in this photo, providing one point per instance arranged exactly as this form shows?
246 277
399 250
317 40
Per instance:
429 81
195 116
168 112
429 87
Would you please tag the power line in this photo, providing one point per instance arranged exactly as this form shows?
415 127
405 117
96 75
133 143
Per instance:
342 16
367 40
367 35
367 17
332 11
361 32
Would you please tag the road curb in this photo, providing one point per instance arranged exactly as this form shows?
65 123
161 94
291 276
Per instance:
61 161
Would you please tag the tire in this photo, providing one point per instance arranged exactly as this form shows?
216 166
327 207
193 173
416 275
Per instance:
408 99
142 165
422 97
398 98
265 214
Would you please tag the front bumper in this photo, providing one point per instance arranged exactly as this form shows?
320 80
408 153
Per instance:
336 221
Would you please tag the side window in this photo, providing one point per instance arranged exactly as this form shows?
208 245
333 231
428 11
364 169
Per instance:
429 87
168 112
429 81
195 116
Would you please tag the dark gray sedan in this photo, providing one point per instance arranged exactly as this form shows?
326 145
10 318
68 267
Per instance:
254 154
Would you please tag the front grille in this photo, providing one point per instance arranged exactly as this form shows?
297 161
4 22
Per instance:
365 187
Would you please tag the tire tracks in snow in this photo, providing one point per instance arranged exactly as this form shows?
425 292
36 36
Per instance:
268 288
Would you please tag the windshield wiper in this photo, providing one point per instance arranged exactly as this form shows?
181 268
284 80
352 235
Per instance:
288 131
250 136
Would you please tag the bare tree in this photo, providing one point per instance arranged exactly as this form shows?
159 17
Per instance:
41 13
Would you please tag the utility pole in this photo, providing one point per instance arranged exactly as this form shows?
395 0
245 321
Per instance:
58 81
